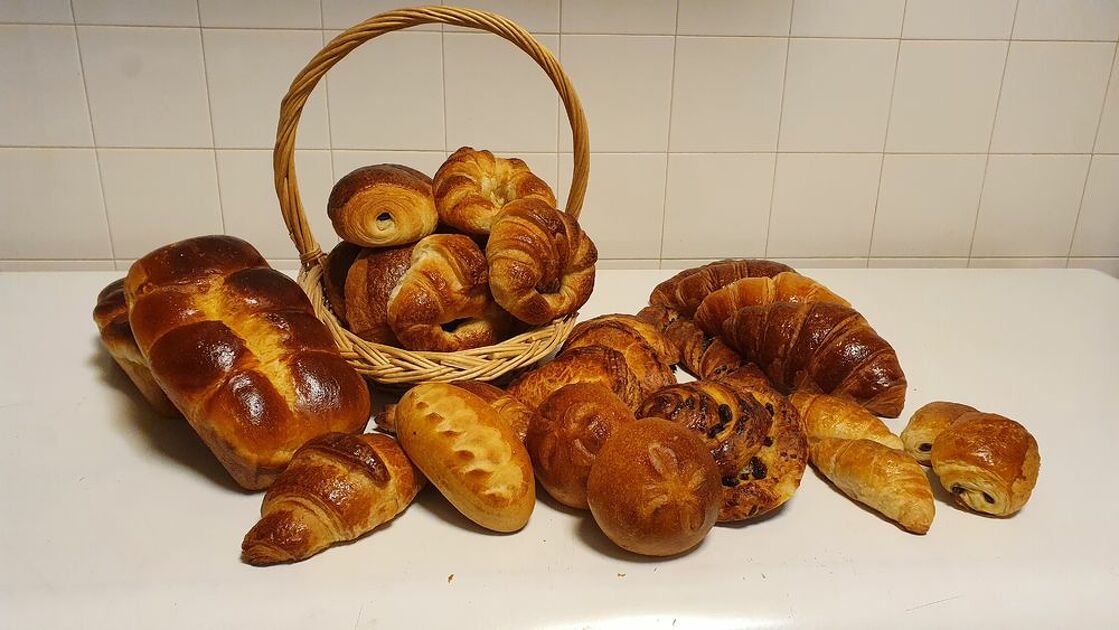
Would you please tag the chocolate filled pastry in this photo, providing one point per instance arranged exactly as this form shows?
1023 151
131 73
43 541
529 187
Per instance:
883 478
684 291
988 462
832 417
564 441
337 487
618 330
336 268
654 488
369 282
702 356
820 347
472 187
541 262
589 364
383 205
927 423
784 287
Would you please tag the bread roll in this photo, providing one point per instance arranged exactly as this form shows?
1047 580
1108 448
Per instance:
383 205
475 460
926 424
511 411
654 488
988 462
472 187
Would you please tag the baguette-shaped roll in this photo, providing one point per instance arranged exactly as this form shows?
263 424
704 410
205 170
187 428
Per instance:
512 411
475 460
684 291
786 286
926 424
832 417
111 316
589 364
383 205
885 479
369 282
336 268
237 347
700 355
337 487
988 462
472 187
820 347
618 331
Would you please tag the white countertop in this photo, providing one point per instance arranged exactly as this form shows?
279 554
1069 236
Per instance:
113 517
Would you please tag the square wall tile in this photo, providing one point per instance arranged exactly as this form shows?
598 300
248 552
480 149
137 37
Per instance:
706 217
248 73
655 17
1025 262
832 80
823 205
628 263
801 264
513 109
1029 205
847 18
137 12
342 14
1107 140
945 96
250 208
158 196
726 95
50 205
41 80
36 12
627 108
1051 97
424 161
916 263
388 94
147 86
927 205
734 17
1097 229
679 264
958 19
1109 266
57 265
1079 19
535 16
261 13
624 207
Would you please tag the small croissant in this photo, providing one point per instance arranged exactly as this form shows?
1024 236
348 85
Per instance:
337 487
827 416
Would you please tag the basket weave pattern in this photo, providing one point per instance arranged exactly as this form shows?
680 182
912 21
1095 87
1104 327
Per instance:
388 364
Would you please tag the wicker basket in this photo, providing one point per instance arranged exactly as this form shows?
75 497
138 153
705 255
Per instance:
387 364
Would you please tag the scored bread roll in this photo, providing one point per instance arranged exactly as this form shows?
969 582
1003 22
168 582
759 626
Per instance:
927 423
988 462
511 411
475 460
383 205
369 282
472 187
654 488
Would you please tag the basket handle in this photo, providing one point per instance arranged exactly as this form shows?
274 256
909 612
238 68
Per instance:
283 155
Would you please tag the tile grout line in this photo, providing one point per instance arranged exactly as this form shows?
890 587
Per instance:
93 136
443 84
780 119
991 139
1092 159
210 116
668 133
886 137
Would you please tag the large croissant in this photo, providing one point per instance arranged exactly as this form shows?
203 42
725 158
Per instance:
337 487
684 291
820 346
786 286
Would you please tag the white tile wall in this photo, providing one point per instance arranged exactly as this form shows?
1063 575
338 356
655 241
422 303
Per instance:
881 133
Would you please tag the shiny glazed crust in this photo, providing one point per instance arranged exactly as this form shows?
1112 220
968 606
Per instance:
700 355
684 291
827 416
926 424
590 364
369 282
786 286
619 330
472 187
383 205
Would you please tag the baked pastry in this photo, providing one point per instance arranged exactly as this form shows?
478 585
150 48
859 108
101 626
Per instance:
336 268
573 425
618 330
658 317
927 423
337 487
700 355
827 416
541 262
472 187
511 411
383 205
370 281
880 477
590 364
988 462
654 489
238 349
820 346
475 460
786 286
442 301
111 316
684 291
648 370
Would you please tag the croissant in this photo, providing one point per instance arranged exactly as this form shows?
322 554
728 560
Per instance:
684 291
784 287
589 364
988 462
472 187
382 205
645 359
926 424
700 355
880 477
338 487
820 346
369 283
827 416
